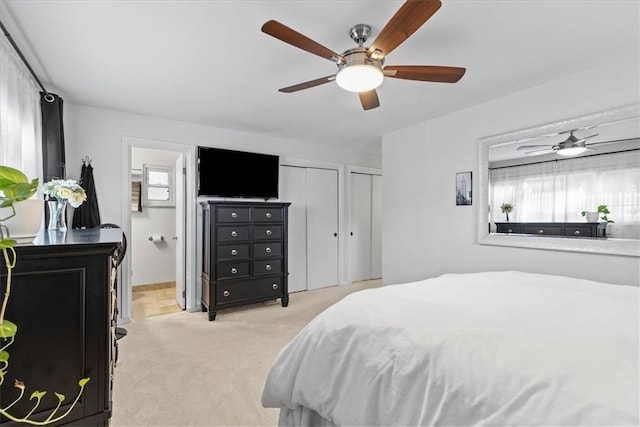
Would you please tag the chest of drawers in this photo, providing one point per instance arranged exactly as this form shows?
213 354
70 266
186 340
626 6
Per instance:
244 254
564 229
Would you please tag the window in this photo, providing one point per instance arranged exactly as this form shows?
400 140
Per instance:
158 186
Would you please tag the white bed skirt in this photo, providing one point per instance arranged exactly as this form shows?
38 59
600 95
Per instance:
302 416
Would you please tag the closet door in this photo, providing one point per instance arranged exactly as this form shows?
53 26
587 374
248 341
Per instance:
293 189
365 226
322 227
376 226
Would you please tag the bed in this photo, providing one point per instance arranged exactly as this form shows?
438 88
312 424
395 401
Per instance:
491 349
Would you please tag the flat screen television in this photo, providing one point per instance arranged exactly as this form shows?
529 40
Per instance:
230 173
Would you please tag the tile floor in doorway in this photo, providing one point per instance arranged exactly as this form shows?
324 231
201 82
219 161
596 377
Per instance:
154 300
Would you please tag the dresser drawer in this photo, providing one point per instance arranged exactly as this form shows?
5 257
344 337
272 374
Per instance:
265 250
232 270
267 232
267 266
232 233
543 230
267 214
508 228
230 292
232 214
232 251
580 231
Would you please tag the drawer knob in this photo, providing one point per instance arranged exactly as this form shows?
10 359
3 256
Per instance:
234 215
577 232
234 270
275 286
226 293
541 231
268 215
267 267
269 232
268 250
234 252
234 233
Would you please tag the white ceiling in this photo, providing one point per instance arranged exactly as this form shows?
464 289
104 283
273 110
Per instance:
208 62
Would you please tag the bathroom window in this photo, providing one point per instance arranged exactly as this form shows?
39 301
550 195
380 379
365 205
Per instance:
159 188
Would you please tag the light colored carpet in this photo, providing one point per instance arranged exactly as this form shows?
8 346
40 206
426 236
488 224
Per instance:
182 370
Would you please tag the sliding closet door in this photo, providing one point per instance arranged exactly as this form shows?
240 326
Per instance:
322 227
293 189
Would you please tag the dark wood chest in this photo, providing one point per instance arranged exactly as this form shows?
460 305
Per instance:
244 254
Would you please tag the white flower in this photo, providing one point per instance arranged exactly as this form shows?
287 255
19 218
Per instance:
65 190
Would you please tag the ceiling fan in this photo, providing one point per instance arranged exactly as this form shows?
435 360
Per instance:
569 147
361 69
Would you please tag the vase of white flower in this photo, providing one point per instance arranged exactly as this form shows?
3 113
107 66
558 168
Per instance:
61 192
57 215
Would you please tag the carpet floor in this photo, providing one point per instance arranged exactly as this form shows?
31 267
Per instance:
182 370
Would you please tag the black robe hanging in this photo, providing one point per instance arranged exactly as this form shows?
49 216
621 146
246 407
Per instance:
87 215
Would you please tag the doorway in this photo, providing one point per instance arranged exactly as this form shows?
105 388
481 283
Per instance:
160 227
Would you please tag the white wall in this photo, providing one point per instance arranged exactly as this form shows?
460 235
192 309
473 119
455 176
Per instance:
152 262
98 133
425 234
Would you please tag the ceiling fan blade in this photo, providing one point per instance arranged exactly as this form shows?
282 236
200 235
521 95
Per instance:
309 84
294 38
539 152
369 99
425 73
588 137
411 15
526 147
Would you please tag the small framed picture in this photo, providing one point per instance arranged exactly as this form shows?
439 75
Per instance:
463 188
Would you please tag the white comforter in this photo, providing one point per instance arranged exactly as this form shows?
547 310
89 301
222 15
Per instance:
497 348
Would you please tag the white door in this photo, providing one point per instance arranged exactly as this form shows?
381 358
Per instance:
322 227
180 231
360 226
376 226
292 189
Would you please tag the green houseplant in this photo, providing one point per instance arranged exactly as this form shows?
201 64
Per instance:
602 209
14 188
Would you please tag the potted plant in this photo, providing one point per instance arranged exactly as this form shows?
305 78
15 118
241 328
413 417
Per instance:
15 188
593 216
506 209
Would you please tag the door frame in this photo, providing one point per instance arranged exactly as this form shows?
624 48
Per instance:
342 218
188 244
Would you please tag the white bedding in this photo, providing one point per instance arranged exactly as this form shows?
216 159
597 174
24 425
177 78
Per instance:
496 348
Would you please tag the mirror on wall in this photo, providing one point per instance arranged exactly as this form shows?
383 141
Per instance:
552 179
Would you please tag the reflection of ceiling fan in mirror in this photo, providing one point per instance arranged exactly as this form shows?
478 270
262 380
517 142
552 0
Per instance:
569 147
360 69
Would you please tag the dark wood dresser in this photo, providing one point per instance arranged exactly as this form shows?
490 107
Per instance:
564 229
244 254
63 302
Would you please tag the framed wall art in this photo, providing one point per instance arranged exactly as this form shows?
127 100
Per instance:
463 188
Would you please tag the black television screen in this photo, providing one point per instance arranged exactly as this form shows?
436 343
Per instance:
229 173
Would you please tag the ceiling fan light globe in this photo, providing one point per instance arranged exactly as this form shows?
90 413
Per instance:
571 151
359 78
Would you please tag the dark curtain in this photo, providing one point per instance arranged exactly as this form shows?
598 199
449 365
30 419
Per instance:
53 160
87 215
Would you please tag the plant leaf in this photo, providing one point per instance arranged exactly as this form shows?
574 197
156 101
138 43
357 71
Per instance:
8 329
83 381
9 176
60 396
37 394
4 356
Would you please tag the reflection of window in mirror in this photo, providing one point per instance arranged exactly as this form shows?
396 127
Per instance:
158 186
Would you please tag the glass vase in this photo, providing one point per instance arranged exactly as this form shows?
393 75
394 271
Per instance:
57 215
